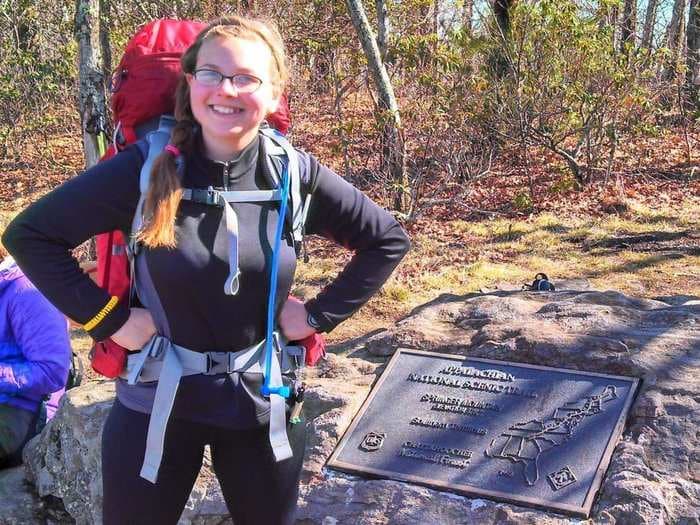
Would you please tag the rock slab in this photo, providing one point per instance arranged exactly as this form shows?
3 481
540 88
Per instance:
654 474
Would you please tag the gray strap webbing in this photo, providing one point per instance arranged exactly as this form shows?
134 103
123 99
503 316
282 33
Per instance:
231 219
166 391
278 146
165 362
157 140
146 365
214 196
224 198
278 418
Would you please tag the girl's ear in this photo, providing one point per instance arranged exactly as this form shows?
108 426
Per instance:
189 77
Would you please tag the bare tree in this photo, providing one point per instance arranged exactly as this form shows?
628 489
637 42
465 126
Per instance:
612 19
447 17
693 70
105 49
467 15
649 23
501 11
383 27
394 152
628 23
501 14
675 34
92 100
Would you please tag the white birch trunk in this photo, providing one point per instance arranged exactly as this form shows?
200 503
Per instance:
92 101
383 27
448 17
394 149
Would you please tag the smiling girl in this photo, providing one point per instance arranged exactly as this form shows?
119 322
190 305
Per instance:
233 77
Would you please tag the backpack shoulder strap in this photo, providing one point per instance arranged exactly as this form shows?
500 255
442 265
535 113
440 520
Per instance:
151 146
142 146
279 154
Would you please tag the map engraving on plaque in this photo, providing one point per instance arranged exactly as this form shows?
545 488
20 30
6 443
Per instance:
524 443
521 433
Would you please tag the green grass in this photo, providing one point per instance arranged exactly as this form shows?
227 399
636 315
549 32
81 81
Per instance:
508 253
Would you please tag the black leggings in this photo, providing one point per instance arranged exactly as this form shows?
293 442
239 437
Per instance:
256 488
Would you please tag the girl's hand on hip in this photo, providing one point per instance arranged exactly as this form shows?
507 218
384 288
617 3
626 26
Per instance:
137 330
292 320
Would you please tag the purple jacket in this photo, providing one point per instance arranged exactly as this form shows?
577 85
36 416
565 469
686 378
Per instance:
35 349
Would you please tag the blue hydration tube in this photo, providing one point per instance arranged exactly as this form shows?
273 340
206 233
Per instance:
266 389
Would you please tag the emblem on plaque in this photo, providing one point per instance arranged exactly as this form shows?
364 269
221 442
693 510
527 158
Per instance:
372 441
561 478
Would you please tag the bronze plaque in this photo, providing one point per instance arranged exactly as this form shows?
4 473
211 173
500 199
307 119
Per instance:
526 434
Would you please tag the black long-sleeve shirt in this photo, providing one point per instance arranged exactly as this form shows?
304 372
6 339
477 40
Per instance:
189 278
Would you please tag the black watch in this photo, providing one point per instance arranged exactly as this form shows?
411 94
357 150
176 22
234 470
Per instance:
312 322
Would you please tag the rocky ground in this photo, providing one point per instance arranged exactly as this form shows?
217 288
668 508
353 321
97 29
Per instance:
653 477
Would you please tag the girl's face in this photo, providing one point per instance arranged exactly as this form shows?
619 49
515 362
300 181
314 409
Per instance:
229 118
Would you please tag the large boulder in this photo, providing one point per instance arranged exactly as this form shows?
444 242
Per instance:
20 503
654 474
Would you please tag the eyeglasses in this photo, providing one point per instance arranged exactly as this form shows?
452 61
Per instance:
242 82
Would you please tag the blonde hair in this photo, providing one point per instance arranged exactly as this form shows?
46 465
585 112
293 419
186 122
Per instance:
165 188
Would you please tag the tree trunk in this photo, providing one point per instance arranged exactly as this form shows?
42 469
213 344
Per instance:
447 17
649 23
501 11
92 101
613 16
675 38
693 69
628 25
467 15
501 14
383 28
394 154
105 49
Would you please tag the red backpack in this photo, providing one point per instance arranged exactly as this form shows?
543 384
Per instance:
143 88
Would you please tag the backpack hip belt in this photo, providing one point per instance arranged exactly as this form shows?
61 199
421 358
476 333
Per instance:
166 362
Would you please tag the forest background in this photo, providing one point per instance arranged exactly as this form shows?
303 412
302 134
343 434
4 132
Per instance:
508 136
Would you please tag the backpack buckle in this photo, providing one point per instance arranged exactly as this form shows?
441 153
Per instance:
217 363
208 196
